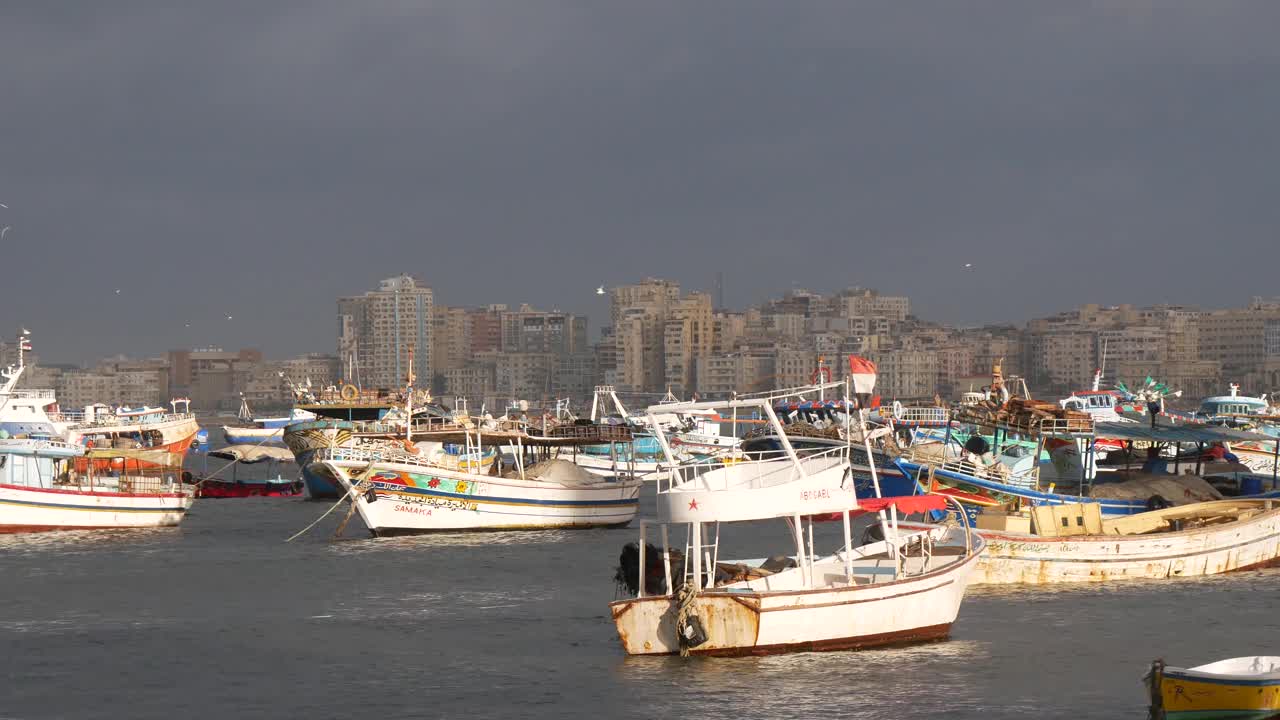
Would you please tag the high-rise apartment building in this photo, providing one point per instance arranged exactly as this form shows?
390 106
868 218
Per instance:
639 313
688 337
381 329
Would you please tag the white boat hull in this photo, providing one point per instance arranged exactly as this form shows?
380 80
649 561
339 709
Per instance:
24 509
247 435
405 499
1015 558
917 609
604 467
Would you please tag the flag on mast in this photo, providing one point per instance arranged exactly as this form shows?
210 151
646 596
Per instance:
863 373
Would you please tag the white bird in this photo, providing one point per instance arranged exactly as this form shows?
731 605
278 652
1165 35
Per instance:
3 230
6 207
228 317
117 291
600 290
968 265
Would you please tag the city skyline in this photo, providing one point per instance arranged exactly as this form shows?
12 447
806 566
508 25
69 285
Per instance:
596 322
994 161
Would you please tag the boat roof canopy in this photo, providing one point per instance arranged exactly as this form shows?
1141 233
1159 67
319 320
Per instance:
1168 433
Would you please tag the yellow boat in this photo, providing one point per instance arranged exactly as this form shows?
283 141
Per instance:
1243 687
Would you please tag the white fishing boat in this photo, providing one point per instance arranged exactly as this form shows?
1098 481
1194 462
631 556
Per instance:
260 430
1075 543
905 588
47 483
397 492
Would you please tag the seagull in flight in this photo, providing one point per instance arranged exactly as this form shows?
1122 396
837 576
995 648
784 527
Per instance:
3 230
600 290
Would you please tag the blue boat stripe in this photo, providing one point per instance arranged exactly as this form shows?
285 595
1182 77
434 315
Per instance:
1263 682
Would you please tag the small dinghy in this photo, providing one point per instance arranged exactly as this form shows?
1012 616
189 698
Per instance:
1243 687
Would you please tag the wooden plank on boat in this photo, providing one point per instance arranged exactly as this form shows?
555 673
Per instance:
1068 520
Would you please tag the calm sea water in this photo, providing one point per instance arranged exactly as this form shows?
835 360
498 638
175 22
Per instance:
220 618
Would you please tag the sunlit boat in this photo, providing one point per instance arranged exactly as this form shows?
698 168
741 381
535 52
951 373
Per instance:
904 588
256 430
397 492
1243 687
1075 543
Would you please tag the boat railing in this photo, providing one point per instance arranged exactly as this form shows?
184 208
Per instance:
78 420
364 455
160 483
32 394
996 472
37 445
922 415
1024 424
723 473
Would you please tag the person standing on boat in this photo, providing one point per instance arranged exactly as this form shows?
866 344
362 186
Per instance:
1154 408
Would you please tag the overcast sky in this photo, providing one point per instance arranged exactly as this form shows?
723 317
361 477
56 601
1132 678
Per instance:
259 159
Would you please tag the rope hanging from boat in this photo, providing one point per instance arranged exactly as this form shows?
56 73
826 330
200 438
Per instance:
364 475
685 598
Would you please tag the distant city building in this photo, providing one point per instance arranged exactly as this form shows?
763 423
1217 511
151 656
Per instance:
379 330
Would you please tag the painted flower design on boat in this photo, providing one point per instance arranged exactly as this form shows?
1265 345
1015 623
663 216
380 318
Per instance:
461 486
433 483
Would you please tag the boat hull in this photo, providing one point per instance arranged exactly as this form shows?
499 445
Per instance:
305 439
233 489
399 500
24 509
1190 695
918 609
1015 558
253 436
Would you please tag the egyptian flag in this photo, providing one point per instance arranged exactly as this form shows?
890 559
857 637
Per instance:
863 373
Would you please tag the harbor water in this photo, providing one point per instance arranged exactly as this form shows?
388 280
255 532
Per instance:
221 618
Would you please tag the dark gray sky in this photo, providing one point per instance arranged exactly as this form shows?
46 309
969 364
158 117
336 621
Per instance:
258 159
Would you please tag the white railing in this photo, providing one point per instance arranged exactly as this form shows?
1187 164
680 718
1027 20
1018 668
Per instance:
729 474
37 394
78 421
339 454
931 415
38 445
996 472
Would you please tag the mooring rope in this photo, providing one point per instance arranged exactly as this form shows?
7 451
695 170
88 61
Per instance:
360 480
685 597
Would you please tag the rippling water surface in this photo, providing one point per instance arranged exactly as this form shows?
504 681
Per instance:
220 618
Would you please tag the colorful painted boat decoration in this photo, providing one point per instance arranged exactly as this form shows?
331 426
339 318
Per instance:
695 602
1241 688
399 493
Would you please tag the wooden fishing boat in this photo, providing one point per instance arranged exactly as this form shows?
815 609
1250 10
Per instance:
904 588
1243 687
1075 543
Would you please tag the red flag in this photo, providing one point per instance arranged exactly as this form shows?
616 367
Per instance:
863 372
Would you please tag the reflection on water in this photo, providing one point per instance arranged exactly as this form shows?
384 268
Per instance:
86 540
219 615
428 541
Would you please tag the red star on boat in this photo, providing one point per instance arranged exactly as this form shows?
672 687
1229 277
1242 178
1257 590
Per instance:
693 504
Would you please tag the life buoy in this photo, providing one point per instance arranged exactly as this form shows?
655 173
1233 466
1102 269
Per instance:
822 372
350 392
897 409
